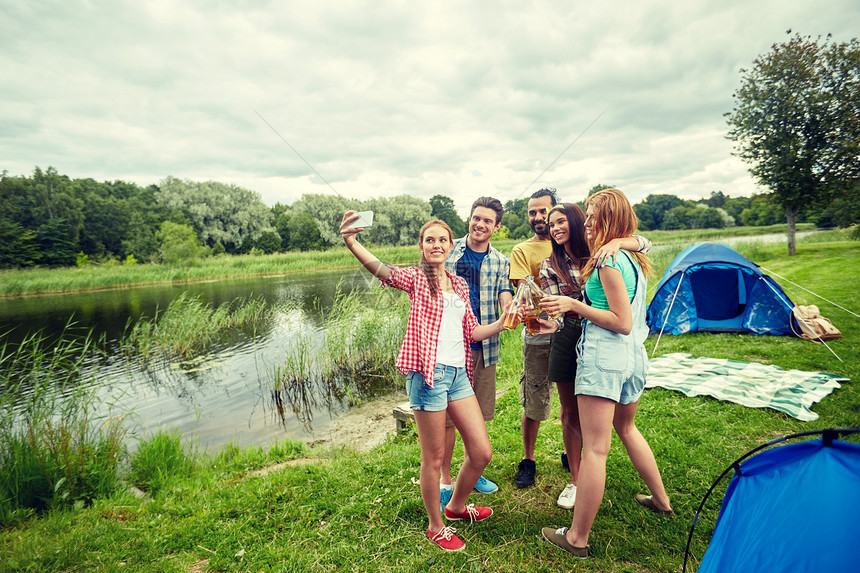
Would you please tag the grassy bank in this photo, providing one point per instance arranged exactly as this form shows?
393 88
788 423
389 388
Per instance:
94 277
342 510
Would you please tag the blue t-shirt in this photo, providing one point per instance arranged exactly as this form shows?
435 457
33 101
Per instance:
469 267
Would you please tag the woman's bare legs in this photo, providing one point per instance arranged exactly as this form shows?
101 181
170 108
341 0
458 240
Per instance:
431 437
595 416
469 421
571 433
640 453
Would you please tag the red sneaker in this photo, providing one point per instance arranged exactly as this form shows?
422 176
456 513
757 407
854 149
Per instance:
472 513
446 539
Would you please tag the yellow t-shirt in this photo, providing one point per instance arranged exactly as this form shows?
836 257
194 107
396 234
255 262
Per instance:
526 258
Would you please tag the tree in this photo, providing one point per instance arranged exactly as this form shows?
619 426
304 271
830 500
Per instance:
516 219
304 233
269 242
179 243
761 211
717 199
55 244
797 121
326 211
18 246
654 208
226 214
282 227
442 207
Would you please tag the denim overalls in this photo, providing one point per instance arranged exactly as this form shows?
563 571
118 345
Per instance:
613 365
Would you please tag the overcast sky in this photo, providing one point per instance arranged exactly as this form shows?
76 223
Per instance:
385 98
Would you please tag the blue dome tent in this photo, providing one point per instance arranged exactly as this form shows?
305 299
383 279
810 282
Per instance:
790 508
710 287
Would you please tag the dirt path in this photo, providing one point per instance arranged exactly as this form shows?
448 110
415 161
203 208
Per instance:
363 427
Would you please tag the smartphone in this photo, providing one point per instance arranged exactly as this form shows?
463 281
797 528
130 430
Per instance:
365 219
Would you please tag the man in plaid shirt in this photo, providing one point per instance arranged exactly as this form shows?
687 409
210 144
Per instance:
487 272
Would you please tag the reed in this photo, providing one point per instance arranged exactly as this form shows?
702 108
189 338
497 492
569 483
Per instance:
54 449
189 325
354 360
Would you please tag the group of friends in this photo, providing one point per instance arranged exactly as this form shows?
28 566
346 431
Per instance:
591 267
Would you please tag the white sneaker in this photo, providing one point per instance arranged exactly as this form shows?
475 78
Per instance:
568 497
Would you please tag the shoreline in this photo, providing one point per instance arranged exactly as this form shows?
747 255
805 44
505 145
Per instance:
363 427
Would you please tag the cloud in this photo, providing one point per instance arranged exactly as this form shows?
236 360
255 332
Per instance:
389 97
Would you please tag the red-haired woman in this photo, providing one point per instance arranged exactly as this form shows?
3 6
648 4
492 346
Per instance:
611 368
435 357
560 278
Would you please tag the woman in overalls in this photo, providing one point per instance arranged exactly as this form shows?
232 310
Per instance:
611 368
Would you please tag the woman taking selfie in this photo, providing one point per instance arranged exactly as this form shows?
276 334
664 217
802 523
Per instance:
435 356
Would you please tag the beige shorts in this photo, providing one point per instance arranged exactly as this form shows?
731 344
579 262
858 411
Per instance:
484 384
535 390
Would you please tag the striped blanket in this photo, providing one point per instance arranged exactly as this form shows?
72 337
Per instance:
746 383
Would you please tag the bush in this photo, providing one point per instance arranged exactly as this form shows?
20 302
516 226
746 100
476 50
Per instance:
83 260
159 459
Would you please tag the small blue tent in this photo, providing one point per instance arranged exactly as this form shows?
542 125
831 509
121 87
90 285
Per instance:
710 287
790 508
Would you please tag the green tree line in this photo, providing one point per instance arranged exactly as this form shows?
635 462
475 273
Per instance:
50 220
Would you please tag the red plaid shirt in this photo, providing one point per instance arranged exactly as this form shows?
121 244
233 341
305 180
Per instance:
418 351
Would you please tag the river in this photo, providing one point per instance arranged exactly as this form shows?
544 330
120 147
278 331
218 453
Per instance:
220 397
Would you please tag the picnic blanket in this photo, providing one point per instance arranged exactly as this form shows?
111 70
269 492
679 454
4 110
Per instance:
746 383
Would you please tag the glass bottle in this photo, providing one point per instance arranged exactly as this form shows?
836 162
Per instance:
533 309
513 318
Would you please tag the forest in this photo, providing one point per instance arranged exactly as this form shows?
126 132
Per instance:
50 220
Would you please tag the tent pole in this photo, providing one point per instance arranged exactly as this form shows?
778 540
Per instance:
669 312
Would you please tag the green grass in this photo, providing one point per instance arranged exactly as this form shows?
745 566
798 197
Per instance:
354 511
158 460
94 277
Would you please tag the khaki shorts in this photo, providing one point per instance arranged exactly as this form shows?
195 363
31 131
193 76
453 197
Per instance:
484 384
535 390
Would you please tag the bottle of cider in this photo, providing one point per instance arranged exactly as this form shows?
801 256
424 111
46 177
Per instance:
513 319
535 294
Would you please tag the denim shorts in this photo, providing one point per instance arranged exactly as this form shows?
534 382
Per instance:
610 365
449 383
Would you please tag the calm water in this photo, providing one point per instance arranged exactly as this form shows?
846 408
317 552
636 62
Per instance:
218 398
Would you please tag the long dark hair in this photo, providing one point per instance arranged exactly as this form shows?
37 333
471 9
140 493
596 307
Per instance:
576 240
423 264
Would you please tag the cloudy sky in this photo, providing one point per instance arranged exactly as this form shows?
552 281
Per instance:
386 97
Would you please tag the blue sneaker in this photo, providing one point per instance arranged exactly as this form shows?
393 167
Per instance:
445 497
485 486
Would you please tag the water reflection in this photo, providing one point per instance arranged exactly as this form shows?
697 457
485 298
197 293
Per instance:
228 393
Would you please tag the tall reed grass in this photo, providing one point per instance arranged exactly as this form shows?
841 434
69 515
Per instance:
189 325
54 449
353 362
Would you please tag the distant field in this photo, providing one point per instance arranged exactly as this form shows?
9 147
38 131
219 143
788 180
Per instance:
94 277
